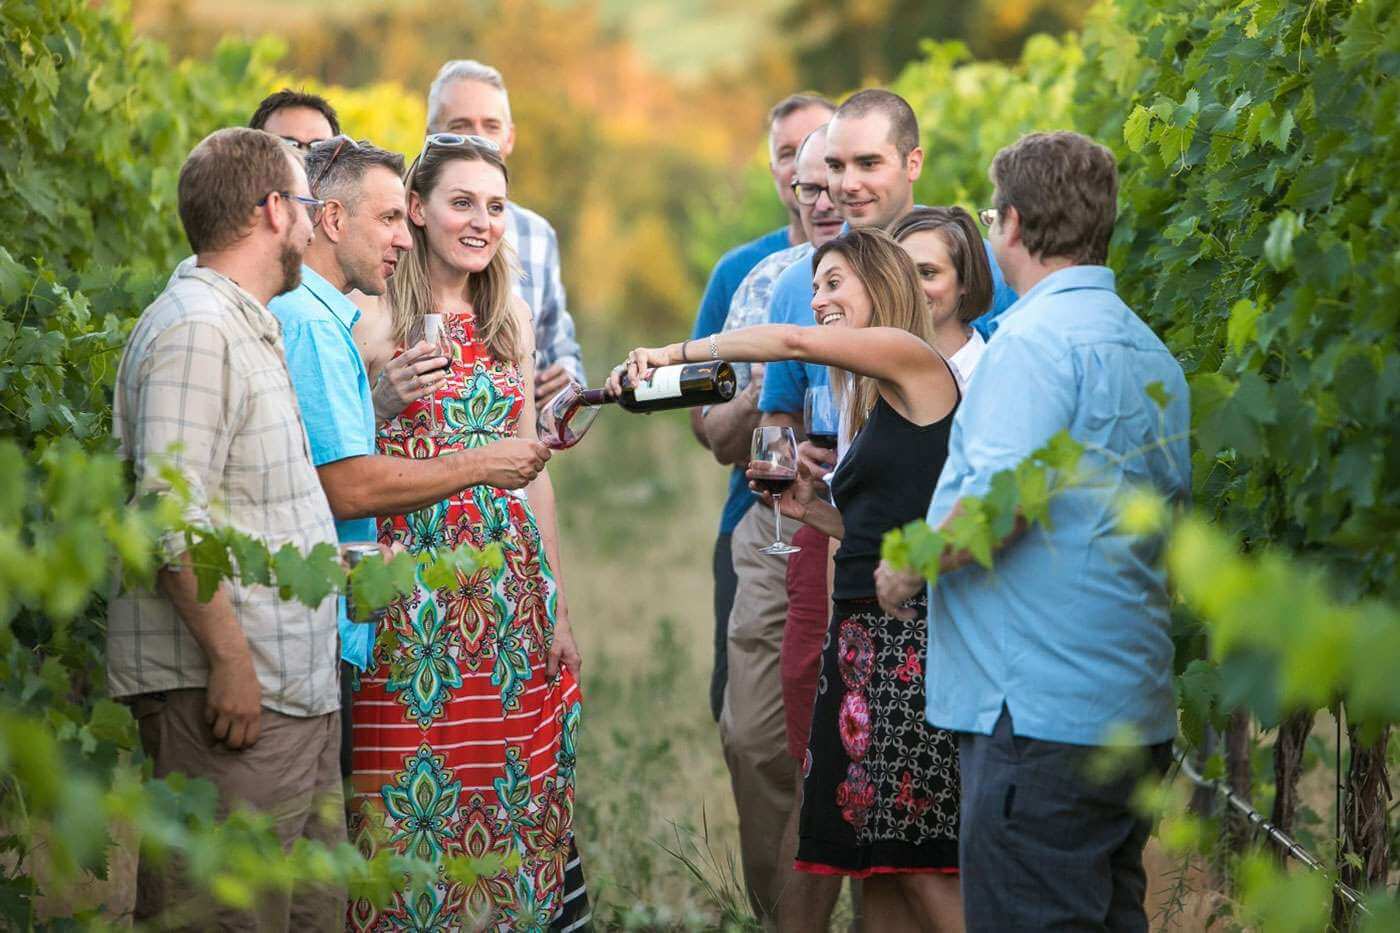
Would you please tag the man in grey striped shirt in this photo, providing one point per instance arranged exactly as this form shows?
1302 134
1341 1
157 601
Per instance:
241 690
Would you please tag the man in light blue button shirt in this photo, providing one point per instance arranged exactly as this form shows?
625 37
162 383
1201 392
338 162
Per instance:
1064 646
358 237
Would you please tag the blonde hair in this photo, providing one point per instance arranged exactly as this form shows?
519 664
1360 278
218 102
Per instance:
896 300
489 291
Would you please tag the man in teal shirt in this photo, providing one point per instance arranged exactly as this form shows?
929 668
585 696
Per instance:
357 240
1065 646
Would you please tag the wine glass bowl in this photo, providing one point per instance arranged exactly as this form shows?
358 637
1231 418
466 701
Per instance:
565 418
773 468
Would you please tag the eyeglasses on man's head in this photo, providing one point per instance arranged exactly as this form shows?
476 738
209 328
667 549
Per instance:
340 142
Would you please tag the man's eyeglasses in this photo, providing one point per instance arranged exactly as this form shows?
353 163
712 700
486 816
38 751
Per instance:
458 139
340 143
291 142
313 206
807 193
988 216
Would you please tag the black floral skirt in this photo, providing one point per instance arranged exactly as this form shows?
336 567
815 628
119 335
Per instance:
880 788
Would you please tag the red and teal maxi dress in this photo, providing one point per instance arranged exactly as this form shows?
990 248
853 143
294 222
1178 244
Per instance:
463 748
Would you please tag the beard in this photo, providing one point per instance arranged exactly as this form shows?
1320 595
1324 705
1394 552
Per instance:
290 259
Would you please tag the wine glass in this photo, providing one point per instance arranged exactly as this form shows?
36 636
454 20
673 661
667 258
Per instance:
773 461
565 418
435 333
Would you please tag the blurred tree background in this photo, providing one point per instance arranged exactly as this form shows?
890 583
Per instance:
640 125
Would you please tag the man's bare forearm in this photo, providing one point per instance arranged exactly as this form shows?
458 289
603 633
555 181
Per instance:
697 427
367 487
213 624
729 428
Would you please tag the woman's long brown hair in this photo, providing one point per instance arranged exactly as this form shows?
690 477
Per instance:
896 300
489 291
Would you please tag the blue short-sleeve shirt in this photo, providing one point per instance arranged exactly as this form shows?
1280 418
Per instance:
724 281
786 382
333 393
1071 628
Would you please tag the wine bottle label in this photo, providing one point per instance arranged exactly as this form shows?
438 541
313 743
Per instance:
664 383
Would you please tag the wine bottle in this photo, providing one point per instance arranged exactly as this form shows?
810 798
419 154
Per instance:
562 420
682 386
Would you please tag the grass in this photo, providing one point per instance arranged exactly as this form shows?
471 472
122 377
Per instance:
639 502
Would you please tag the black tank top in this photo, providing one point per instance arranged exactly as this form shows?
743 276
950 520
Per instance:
885 481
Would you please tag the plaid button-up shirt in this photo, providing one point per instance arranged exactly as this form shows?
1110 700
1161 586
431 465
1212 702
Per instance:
536 246
203 387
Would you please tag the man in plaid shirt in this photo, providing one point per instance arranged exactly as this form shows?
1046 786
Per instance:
470 98
242 689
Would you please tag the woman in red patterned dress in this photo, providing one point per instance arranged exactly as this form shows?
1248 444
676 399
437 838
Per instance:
464 728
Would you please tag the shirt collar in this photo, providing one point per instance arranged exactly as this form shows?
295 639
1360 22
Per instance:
333 298
261 320
1071 278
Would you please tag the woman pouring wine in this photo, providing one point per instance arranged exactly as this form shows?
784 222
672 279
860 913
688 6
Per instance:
880 795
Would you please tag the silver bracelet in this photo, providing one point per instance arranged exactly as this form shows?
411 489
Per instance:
714 348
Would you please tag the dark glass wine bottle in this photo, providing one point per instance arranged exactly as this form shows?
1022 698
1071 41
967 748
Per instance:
682 386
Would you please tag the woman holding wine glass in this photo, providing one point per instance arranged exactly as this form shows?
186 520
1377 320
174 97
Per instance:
465 725
880 795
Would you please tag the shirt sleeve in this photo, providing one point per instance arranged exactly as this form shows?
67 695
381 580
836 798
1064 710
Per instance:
785 381
190 399
554 325
1020 396
326 379
714 304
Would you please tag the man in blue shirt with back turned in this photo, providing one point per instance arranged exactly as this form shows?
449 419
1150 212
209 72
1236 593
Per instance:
789 122
358 236
1064 647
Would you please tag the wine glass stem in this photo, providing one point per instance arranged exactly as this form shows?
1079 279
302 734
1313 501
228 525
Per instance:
777 521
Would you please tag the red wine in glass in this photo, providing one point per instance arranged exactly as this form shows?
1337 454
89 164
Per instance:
824 441
774 482
773 468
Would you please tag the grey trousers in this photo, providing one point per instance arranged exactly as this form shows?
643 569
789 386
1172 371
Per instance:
1045 846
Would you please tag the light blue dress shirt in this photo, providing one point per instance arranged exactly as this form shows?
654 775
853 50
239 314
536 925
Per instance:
1070 628
336 404
786 382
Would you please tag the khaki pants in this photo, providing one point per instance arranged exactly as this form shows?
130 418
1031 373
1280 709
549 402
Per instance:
752 727
292 773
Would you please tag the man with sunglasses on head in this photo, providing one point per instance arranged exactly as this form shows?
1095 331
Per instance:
299 119
240 689
359 235
468 98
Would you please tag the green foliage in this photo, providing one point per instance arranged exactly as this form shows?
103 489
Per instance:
968 110
96 125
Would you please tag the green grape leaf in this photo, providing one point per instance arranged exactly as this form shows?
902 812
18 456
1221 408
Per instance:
1241 329
1136 127
209 558
311 578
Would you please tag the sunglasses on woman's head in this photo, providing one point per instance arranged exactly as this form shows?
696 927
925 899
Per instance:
458 139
